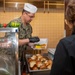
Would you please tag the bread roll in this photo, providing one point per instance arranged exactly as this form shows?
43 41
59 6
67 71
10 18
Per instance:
43 66
49 67
38 64
43 59
39 57
33 57
47 63
32 64
34 68
50 61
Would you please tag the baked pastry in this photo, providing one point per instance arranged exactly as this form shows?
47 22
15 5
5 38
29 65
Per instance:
50 61
39 57
33 57
46 63
34 68
43 66
32 64
49 66
43 59
38 64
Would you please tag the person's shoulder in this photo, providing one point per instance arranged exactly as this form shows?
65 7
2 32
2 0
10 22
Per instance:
69 39
16 19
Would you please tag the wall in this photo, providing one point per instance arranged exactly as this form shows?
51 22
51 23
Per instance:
45 25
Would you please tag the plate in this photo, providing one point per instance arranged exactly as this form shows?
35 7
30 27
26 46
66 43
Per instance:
39 46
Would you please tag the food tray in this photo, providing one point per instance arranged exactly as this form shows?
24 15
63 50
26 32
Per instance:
42 44
38 72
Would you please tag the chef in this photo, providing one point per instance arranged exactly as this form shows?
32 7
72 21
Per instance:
25 29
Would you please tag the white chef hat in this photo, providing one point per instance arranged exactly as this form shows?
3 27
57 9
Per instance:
30 8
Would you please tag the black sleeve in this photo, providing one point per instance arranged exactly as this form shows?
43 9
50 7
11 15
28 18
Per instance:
59 59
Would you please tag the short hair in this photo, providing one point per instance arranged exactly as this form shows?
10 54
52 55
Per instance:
24 11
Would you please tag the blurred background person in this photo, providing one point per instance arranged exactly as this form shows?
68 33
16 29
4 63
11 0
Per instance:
64 58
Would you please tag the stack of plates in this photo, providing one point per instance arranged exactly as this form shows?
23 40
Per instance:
51 52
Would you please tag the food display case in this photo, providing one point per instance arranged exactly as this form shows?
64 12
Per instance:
9 63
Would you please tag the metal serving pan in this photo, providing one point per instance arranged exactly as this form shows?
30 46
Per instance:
38 72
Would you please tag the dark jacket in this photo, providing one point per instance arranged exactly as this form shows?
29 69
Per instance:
64 58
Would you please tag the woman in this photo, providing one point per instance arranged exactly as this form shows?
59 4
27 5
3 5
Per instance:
64 58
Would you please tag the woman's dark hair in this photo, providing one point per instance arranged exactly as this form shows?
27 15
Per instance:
66 3
70 15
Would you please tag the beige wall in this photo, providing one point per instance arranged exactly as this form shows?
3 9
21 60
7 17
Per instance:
45 25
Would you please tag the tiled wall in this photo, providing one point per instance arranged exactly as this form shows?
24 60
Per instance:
45 25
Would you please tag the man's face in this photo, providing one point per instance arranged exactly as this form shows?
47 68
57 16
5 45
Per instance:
28 17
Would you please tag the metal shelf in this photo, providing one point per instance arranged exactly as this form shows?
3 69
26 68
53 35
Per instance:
58 4
14 2
46 4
